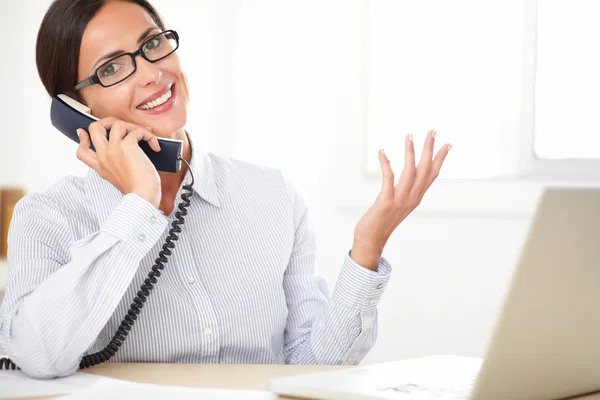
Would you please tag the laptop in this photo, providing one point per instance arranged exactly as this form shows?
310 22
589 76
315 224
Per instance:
546 340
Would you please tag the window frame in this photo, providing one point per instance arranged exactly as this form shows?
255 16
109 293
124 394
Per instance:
510 196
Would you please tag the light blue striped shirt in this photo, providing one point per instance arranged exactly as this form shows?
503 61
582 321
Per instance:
240 286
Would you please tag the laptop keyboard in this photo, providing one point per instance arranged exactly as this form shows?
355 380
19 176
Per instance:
429 391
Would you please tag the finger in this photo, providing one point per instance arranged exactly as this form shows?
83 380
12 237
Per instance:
424 166
84 152
387 183
118 131
108 122
428 147
98 136
142 134
407 176
85 143
436 166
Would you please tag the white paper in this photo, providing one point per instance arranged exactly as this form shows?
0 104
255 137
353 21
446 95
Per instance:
16 385
115 389
423 378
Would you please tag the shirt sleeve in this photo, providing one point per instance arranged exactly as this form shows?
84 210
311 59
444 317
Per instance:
60 293
340 329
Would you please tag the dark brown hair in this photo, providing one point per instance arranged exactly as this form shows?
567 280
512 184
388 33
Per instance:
59 41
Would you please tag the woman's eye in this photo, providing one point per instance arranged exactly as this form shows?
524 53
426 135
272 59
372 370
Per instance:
153 44
110 69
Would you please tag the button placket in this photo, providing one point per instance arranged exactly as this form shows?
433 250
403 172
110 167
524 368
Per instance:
210 340
206 323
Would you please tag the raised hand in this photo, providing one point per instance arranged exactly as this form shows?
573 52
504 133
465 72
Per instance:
396 200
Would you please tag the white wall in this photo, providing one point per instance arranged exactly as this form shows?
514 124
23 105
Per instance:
11 78
280 83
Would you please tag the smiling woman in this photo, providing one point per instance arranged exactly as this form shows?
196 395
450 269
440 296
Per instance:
239 286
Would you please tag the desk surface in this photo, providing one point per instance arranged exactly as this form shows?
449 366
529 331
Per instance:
222 376
217 376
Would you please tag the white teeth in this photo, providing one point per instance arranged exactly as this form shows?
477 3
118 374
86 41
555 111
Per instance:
156 102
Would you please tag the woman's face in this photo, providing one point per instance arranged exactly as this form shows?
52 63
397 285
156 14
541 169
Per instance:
117 27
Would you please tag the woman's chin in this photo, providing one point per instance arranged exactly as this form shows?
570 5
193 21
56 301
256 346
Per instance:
167 129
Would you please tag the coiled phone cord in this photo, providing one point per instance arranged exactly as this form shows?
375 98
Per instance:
138 302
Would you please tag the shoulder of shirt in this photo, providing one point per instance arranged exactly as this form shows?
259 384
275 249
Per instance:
65 196
241 169
258 176
238 166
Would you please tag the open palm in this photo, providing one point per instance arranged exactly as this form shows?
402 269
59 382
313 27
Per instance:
397 200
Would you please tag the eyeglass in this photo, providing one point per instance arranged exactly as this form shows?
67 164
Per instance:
121 67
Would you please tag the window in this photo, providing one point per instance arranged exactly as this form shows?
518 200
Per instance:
515 102
567 101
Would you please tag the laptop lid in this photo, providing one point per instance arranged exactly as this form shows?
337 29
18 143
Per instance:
546 343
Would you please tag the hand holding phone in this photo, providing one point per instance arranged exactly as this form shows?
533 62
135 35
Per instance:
68 115
119 159
109 148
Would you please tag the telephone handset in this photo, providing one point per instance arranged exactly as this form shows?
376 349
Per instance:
68 115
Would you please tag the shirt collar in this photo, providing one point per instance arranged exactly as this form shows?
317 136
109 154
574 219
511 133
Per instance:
205 176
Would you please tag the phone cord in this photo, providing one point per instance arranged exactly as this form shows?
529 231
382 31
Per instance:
138 302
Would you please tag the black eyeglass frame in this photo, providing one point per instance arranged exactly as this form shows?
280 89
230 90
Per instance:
93 79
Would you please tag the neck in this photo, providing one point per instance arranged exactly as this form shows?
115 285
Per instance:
170 182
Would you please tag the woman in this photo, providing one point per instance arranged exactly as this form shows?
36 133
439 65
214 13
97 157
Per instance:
239 286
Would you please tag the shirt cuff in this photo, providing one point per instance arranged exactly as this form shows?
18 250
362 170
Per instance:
137 222
359 287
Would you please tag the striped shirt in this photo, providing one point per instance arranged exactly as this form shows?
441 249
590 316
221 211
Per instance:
240 286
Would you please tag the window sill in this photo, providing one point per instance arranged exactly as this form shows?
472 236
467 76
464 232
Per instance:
492 198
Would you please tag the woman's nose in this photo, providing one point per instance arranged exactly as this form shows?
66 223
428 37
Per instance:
147 73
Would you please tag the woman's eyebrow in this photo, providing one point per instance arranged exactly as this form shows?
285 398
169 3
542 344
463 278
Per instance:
117 52
146 34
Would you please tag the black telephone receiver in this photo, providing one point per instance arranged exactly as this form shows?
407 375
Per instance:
68 115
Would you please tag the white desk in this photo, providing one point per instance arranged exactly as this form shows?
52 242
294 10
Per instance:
221 376
214 376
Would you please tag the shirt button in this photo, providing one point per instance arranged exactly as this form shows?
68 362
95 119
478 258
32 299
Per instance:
191 281
380 286
372 301
107 300
349 358
141 237
153 220
207 331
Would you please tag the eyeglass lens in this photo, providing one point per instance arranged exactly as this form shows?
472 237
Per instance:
122 67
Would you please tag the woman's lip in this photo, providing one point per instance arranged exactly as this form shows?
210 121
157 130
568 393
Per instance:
156 95
166 106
